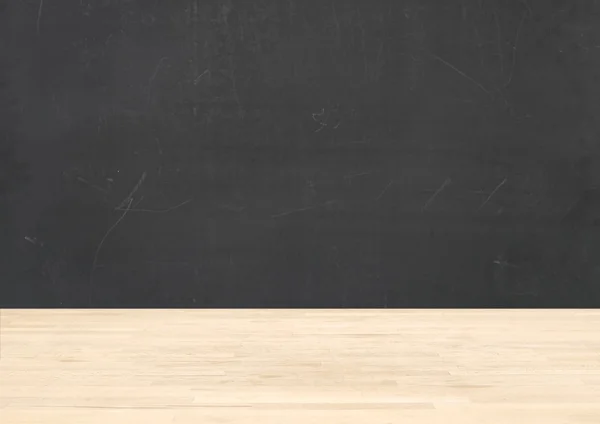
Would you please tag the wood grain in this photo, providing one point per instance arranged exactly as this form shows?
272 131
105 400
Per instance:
300 366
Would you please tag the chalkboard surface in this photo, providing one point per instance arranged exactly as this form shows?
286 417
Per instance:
229 153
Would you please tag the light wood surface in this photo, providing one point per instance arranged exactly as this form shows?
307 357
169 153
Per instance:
286 366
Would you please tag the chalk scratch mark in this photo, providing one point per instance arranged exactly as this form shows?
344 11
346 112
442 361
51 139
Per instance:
438 191
384 190
492 194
